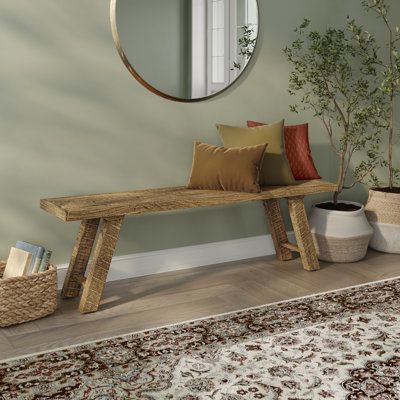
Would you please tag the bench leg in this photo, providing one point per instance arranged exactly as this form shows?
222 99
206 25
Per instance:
304 238
98 270
80 258
277 228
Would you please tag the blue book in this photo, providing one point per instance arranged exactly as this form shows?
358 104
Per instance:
45 260
37 255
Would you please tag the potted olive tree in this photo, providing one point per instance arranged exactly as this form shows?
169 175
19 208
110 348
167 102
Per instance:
383 207
334 74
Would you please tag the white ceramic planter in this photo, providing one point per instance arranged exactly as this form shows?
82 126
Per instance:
383 213
340 236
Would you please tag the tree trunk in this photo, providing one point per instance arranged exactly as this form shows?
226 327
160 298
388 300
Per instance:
391 112
391 139
335 198
341 176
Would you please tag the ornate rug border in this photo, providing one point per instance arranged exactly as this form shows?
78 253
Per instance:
29 355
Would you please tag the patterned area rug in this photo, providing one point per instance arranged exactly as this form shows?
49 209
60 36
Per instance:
340 345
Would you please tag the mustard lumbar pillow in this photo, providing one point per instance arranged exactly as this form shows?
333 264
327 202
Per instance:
233 169
275 169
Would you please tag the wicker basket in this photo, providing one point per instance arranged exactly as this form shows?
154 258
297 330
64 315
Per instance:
26 298
383 207
340 236
383 212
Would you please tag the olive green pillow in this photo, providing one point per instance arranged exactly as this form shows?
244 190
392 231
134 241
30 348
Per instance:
275 170
219 168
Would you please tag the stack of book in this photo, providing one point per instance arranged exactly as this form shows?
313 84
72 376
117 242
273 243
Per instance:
26 259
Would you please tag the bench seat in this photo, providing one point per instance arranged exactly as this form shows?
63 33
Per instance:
108 211
77 208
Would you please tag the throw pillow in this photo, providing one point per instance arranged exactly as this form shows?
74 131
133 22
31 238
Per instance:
298 151
219 168
275 170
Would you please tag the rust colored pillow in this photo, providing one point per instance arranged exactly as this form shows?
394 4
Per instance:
298 151
234 169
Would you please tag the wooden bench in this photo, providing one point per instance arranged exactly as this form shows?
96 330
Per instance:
111 208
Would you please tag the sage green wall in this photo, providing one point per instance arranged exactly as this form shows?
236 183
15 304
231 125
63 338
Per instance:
154 35
73 121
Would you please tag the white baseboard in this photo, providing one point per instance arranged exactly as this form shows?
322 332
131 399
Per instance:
155 262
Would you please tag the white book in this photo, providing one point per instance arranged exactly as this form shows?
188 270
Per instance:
37 255
17 263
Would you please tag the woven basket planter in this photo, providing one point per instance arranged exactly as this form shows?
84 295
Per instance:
340 236
26 298
383 213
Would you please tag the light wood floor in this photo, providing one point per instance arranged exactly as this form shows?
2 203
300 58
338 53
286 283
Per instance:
152 301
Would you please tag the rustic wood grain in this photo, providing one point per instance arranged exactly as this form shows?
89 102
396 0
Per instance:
291 246
303 235
112 207
96 279
80 258
277 229
77 208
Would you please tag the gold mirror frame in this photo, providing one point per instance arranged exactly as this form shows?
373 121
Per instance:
128 65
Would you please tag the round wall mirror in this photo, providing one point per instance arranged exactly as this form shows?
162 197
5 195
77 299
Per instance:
185 50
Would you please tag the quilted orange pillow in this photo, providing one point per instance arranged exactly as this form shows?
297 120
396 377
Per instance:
298 151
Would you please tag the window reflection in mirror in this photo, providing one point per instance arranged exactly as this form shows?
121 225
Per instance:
185 49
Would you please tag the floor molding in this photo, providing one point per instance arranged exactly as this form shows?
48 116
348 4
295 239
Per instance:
155 262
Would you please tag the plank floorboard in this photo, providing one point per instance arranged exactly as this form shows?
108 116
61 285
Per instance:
5 344
112 306
151 301
21 329
65 336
